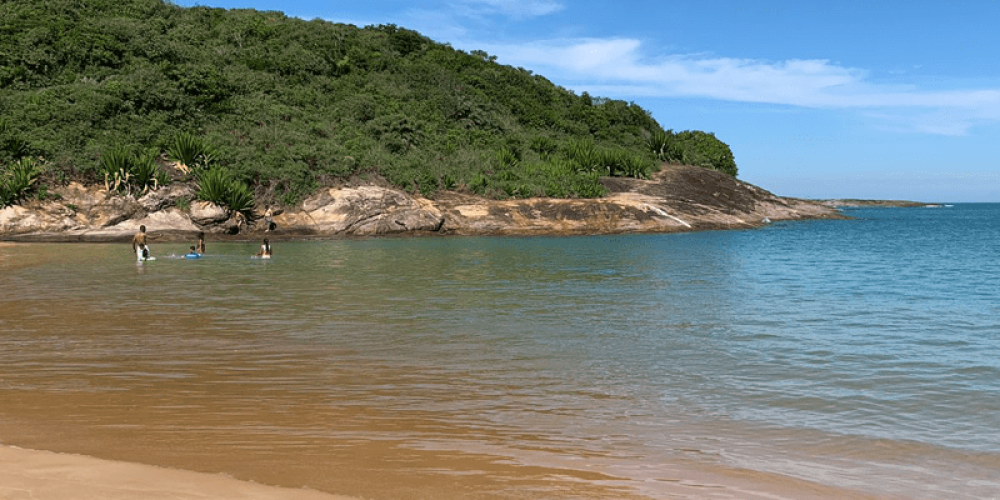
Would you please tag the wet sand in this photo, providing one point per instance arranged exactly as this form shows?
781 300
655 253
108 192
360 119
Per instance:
43 475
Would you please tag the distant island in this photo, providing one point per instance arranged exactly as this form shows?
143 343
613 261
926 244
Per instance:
115 112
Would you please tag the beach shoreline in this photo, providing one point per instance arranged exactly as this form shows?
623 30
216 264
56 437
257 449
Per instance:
46 475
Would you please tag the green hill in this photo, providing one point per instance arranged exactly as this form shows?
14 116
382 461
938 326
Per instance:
283 105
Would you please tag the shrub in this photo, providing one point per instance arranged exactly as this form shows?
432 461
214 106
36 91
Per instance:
190 150
703 149
146 173
584 155
218 186
665 147
638 166
16 180
507 158
213 186
127 171
12 145
544 146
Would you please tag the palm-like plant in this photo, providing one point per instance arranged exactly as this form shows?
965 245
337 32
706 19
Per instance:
239 197
218 186
665 146
146 172
584 155
125 170
190 150
16 180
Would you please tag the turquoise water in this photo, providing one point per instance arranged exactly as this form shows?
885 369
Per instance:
861 354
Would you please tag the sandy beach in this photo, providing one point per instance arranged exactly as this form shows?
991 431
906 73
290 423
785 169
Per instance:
43 475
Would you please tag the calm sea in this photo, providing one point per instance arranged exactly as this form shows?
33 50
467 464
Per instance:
862 355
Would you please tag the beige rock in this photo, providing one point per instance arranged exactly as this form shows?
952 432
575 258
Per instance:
172 219
366 210
164 197
678 198
206 213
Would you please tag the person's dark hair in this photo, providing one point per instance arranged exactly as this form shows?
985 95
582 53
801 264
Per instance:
142 228
192 248
201 235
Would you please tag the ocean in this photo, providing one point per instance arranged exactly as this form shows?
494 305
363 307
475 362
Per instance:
812 359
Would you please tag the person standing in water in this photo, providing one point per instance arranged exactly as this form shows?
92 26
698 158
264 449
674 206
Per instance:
265 250
200 246
139 242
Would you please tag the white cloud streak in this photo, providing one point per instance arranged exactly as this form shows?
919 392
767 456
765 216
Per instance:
518 9
617 67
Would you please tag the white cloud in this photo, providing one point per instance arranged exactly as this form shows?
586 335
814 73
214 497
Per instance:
518 9
617 67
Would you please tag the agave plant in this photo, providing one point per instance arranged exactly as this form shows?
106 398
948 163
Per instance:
665 146
239 197
543 145
584 155
213 186
117 160
507 158
218 186
146 173
16 180
637 166
190 150
613 160
588 185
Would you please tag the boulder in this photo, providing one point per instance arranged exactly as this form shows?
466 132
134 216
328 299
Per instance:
368 210
206 213
49 217
165 197
172 220
112 211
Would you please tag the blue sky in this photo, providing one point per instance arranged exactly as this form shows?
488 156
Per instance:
863 99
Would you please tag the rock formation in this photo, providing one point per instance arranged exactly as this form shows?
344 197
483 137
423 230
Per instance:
678 198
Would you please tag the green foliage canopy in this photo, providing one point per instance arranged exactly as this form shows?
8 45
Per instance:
287 104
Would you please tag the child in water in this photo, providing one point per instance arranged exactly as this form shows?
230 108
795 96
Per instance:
192 253
265 250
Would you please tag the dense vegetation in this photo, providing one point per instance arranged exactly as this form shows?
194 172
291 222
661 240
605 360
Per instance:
102 88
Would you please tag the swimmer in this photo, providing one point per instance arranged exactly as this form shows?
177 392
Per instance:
265 250
192 254
200 246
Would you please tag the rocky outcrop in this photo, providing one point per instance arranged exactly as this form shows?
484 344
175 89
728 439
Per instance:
363 211
206 213
678 198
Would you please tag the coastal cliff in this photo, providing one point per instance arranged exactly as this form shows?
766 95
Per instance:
676 199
